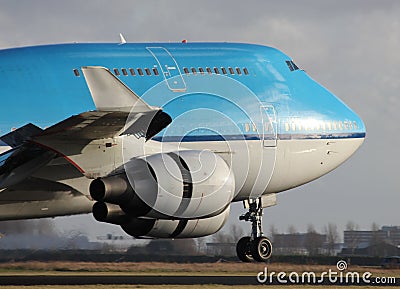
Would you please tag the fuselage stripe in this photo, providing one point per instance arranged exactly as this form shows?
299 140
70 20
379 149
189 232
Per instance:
204 138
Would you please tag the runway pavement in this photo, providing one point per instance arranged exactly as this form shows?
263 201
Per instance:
25 280
125 279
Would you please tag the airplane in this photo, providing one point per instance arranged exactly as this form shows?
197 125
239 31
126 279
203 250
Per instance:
161 138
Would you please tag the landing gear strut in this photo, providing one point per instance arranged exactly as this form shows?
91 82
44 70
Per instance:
255 247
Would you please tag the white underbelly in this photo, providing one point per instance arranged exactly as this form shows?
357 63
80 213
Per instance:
259 170
301 161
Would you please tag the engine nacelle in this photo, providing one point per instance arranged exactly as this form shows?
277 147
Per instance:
184 228
184 185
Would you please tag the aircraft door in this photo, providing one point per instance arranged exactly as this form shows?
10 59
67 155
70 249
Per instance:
264 160
270 127
169 67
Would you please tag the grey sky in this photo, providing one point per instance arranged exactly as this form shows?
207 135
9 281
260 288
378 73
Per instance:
351 47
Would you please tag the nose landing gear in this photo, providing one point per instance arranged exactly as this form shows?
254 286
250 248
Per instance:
256 247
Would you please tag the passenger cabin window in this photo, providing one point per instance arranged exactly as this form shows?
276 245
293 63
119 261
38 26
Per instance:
350 125
192 70
300 126
76 72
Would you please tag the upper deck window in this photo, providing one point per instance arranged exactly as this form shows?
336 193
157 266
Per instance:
124 72
201 70
76 72
194 71
246 72
231 71
186 70
209 70
216 70
223 70
140 71
116 71
155 71
238 71
132 71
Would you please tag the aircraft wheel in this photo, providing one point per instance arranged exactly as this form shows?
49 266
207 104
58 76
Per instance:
261 249
243 250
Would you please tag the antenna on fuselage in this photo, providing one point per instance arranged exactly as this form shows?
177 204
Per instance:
121 39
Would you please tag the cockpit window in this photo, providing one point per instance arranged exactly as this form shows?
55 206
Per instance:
292 66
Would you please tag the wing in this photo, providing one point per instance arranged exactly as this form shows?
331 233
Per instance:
110 94
119 111
39 198
24 158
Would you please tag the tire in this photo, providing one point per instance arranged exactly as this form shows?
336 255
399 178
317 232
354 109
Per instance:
261 249
243 250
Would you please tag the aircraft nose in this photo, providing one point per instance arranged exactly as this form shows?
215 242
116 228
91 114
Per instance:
363 130
359 126
360 132
354 136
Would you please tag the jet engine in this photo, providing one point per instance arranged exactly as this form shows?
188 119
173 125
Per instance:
159 228
177 185
182 228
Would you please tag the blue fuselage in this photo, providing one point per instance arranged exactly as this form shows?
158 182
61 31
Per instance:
211 90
